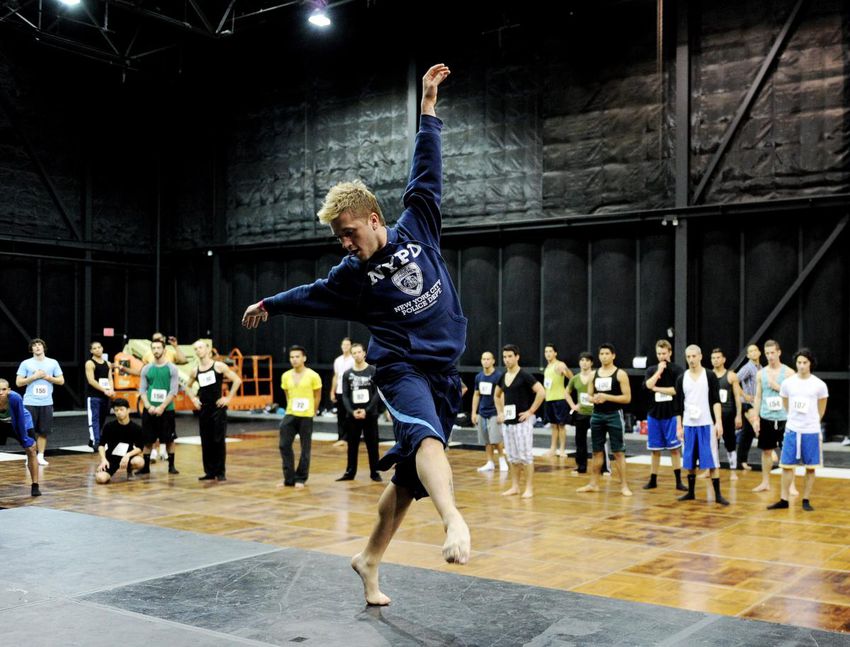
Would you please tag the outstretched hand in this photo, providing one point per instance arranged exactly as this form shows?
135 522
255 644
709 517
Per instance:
254 315
435 75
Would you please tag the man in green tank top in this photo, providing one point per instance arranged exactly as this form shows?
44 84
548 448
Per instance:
158 388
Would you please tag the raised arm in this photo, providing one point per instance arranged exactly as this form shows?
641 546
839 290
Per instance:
424 190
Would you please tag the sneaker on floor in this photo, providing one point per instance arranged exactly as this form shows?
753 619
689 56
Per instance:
153 455
41 460
487 467
846 441
163 455
503 465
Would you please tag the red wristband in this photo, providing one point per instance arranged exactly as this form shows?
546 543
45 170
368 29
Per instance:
262 305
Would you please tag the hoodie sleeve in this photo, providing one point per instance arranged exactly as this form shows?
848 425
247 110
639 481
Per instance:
334 297
421 217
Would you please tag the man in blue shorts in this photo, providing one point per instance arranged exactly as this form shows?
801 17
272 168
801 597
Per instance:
16 421
699 423
804 397
395 281
661 417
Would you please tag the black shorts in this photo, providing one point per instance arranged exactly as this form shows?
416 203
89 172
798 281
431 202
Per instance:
160 428
42 418
114 464
770 433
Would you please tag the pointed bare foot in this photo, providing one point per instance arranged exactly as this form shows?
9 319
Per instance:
528 494
762 487
703 475
626 491
549 454
369 575
456 549
298 485
510 492
746 467
588 488
793 491
733 476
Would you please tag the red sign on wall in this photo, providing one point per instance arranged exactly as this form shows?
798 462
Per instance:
109 332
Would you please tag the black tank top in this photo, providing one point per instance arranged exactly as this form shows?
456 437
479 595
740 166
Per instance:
609 386
210 385
727 396
101 372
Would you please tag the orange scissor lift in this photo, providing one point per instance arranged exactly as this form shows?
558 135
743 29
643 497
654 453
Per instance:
256 391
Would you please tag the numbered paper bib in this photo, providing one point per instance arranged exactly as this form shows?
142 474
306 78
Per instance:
584 400
40 390
158 395
121 449
602 384
663 397
206 378
694 412
485 388
547 383
300 404
360 396
104 382
774 403
510 411
800 405
724 395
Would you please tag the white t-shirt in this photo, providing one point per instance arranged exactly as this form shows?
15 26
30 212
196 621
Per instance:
803 396
341 365
697 408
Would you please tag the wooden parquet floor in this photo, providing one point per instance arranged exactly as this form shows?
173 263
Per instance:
786 566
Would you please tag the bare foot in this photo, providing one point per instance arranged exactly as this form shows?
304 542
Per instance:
746 467
549 454
369 575
733 476
298 485
457 546
703 475
762 487
528 494
340 443
626 491
793 491
588 488
510 492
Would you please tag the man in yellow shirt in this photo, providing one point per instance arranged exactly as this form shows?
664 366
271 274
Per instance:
303 388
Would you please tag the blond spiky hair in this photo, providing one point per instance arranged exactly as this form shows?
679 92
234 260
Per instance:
349 196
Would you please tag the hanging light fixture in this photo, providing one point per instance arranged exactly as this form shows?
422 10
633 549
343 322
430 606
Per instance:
319 15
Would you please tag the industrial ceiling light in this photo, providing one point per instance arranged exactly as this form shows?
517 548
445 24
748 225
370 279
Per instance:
319 15
69 3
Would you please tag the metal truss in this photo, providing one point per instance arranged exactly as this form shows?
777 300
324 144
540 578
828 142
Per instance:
124 32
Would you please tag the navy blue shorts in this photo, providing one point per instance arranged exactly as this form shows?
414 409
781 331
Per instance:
557 412
423 405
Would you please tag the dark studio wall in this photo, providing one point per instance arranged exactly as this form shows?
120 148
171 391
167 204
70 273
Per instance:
560 162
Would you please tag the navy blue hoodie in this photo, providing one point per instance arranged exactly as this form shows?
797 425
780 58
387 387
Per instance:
403 293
